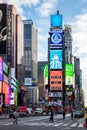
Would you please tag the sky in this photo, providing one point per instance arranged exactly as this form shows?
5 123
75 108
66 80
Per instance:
74 14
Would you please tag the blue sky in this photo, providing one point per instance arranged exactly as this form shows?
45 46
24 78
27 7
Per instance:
74 14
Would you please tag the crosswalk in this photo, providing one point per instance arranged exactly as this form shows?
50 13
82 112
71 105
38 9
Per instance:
65 125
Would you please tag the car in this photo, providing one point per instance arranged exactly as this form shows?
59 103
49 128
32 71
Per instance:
38 111
79 114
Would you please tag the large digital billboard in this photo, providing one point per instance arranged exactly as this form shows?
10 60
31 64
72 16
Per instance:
69 73
0 87
56 80
55 59
3 29
56 39
1 69
56 20
6 91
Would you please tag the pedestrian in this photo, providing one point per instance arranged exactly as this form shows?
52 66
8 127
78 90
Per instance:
64 114
86 118
51 115
15 117
71 114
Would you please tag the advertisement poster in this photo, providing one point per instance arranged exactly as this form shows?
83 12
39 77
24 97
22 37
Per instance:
55 59
56 80
56 39
3 29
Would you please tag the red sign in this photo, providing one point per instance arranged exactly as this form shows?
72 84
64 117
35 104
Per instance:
56 80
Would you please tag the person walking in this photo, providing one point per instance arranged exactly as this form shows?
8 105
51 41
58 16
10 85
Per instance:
71 114
86 118
64 114
51 115
15 117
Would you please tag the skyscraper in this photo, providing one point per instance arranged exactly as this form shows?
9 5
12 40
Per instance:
30 54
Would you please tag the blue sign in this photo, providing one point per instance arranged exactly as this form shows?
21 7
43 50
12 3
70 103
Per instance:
43 101
55 59
56 20
56 39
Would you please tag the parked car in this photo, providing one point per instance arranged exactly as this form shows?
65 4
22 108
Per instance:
38 111
79 114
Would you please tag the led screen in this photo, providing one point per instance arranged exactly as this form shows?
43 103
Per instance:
69 71
3 29
55 59
0 87
1 69
56 20
56 39
56 80
46 71
6 91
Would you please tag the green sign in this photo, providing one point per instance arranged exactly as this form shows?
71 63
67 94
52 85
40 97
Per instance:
46 71
69 73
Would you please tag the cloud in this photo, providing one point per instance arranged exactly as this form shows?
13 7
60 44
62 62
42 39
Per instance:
46 7
79 35
20 3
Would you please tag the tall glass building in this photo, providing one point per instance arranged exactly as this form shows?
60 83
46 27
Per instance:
30 51
30 60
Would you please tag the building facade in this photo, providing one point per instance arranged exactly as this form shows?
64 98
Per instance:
30 55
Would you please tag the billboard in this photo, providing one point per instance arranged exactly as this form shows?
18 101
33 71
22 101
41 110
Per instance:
3 29
6 91
69 73
56 20
0 87
46 71
28 81
56 39
1 69
56 80
55 59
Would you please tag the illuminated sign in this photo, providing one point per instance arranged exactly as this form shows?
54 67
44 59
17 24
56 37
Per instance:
6 91
1 69
56 80
3 29
55 59
56 39
69 72
0 87
56 20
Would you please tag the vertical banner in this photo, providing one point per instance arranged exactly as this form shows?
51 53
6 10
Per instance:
69 73
3 29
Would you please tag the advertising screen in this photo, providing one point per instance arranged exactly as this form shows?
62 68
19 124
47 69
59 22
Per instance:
55 59
6 91
0 87
56 39
46 71
69 72
56 20
3 28
1 68
56 80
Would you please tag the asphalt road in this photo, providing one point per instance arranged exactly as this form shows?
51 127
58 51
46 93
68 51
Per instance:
42 123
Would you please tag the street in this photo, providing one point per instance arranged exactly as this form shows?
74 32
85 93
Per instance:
42 123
